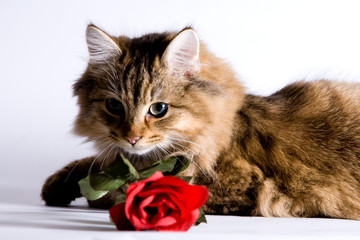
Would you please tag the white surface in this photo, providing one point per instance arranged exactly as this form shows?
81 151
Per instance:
43 51
39 222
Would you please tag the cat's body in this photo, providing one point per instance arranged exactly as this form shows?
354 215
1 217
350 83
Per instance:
294 153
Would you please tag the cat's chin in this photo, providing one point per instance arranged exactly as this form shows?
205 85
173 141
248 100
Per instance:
142 158
143 152
138 152
149 151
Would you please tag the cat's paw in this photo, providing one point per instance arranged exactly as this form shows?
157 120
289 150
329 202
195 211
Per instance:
59 190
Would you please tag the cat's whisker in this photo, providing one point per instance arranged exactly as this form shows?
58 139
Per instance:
100 145
100 137
93 162
193 161
72 170
192 143
203 151
166 152
97 139
94 139
108 155
187 141
203 171
182 147
157 153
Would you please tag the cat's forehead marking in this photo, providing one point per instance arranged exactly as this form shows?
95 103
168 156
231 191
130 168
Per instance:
137 77
136 85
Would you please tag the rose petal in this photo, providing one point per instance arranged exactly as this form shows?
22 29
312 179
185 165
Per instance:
161 209
135 188
139 218
180 187
195 196
117 214
163 199
156 219
193 216
184 224
180 204
144 203
165 222
157 190
139 223
174 199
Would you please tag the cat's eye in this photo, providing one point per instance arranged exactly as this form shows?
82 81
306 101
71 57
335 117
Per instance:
158 110
114 107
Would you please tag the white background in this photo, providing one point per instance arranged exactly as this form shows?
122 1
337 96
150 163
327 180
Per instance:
43 51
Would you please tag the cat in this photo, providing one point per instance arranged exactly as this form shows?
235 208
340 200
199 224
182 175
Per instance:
295 153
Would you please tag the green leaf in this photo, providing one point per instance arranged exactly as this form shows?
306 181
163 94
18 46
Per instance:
132 170
181 165
120 199
201 218
88 192
122 168
118 173
114 176
102 181
121 172
164 165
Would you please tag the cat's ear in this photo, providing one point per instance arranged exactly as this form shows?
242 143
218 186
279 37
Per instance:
101 46
182 54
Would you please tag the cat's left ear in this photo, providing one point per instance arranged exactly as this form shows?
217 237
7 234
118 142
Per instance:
181 57
101 46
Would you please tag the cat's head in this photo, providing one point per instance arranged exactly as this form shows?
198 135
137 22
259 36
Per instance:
153 95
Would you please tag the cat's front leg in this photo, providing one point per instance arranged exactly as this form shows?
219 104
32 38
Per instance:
62 187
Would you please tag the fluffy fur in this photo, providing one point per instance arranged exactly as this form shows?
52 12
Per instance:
293 153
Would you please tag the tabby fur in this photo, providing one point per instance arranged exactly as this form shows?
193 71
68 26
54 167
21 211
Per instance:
295 153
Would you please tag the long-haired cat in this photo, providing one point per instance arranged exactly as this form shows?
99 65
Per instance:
293 153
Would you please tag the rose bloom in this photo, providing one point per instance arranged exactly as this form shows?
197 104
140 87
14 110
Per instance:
162 203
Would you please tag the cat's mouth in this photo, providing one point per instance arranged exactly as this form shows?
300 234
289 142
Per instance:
158 150
133 150
144 156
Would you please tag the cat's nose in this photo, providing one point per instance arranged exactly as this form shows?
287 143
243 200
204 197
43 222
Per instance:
133 140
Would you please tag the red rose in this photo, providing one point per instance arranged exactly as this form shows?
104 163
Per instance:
162 203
